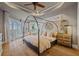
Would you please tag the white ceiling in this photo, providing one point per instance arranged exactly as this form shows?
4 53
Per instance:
22 14
46 4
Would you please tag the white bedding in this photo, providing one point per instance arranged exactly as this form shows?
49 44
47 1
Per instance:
44 41
49 38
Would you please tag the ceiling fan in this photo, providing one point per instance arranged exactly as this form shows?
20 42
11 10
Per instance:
35 4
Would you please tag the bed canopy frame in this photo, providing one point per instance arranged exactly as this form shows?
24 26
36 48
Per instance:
35 19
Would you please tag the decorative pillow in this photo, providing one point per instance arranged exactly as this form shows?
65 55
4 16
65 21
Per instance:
54 34
29 33
44 34
49 34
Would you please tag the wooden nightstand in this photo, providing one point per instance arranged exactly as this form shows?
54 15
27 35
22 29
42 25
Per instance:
64 39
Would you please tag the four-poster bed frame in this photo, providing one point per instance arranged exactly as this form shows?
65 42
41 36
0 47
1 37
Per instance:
37 49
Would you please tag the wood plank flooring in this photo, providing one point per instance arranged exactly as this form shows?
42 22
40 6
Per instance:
59 50
17 48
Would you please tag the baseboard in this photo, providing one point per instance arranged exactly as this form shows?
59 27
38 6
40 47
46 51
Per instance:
75 46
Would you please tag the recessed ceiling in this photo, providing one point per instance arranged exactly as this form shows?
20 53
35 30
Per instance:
46 4
21 14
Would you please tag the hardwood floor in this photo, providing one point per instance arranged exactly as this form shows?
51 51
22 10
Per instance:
5 49
17 48
59 50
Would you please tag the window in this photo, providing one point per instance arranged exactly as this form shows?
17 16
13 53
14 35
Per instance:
15 29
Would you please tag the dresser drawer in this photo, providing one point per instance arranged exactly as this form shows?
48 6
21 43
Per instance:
65 43
59 41
67 40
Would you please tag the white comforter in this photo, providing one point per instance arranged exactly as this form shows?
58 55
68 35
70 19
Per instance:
51 39
44 42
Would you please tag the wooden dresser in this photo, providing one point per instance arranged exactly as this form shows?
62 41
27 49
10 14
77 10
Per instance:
64 39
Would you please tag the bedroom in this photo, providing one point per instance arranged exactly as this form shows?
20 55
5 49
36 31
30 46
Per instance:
27 29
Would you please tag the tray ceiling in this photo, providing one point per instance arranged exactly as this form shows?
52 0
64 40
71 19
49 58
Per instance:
46 4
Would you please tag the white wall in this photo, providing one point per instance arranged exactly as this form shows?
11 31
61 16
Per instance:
78 24
71 12
2 26
0 31
1 21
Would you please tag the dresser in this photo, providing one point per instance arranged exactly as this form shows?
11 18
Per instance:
64 39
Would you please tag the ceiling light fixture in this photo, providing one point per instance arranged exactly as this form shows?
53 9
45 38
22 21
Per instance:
37 13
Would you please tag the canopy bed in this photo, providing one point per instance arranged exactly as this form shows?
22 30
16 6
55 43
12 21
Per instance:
38 36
